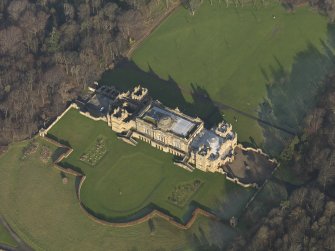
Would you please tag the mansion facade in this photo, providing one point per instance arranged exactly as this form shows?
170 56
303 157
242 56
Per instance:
135 115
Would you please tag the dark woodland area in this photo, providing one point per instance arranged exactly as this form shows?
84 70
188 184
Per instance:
50 50
306 220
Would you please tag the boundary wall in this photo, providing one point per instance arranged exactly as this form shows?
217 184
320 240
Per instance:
86 114
43 132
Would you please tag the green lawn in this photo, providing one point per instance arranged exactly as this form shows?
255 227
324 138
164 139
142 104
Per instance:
242 57
5 237
130 178
45 214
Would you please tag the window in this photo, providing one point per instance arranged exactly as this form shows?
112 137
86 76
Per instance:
160 137
177 144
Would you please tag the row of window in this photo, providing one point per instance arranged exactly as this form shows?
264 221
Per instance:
161 138
158 146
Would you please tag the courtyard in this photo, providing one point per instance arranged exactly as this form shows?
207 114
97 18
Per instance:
250 167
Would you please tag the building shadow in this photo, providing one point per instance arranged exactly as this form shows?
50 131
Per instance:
58 152
127 74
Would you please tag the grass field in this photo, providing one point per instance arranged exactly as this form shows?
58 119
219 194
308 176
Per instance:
129 178
243 57
5 237
45 214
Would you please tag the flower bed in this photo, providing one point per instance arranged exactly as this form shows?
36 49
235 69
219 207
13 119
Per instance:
95 152
30 149
183 192
45 154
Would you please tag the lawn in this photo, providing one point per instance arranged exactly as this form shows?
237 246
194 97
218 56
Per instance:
130 178
5 237
267 67
45 214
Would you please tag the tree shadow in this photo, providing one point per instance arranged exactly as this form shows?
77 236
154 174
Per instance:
291 95
127 74
222 235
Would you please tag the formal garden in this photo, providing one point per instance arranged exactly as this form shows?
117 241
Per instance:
30 149
39 148
183 192
130 179
95 152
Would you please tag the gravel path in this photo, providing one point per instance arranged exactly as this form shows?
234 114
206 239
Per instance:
22 246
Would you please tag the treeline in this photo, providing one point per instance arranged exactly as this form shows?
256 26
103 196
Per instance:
50 50
325 7
306 220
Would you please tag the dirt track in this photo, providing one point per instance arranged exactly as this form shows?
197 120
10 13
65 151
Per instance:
22 246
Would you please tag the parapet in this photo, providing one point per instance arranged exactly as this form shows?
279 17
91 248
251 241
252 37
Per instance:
139 93
123 95
223 129
120 114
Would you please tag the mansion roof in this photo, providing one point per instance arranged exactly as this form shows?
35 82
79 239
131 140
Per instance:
209 141
168 120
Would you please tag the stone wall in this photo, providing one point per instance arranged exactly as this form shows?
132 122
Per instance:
43 132
86 114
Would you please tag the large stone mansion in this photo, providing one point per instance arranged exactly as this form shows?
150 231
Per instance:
135 115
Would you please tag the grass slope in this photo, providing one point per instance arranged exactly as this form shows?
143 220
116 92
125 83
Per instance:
129 178
238 55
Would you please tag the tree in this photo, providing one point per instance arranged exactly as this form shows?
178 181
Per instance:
16 7
69 11
53 41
